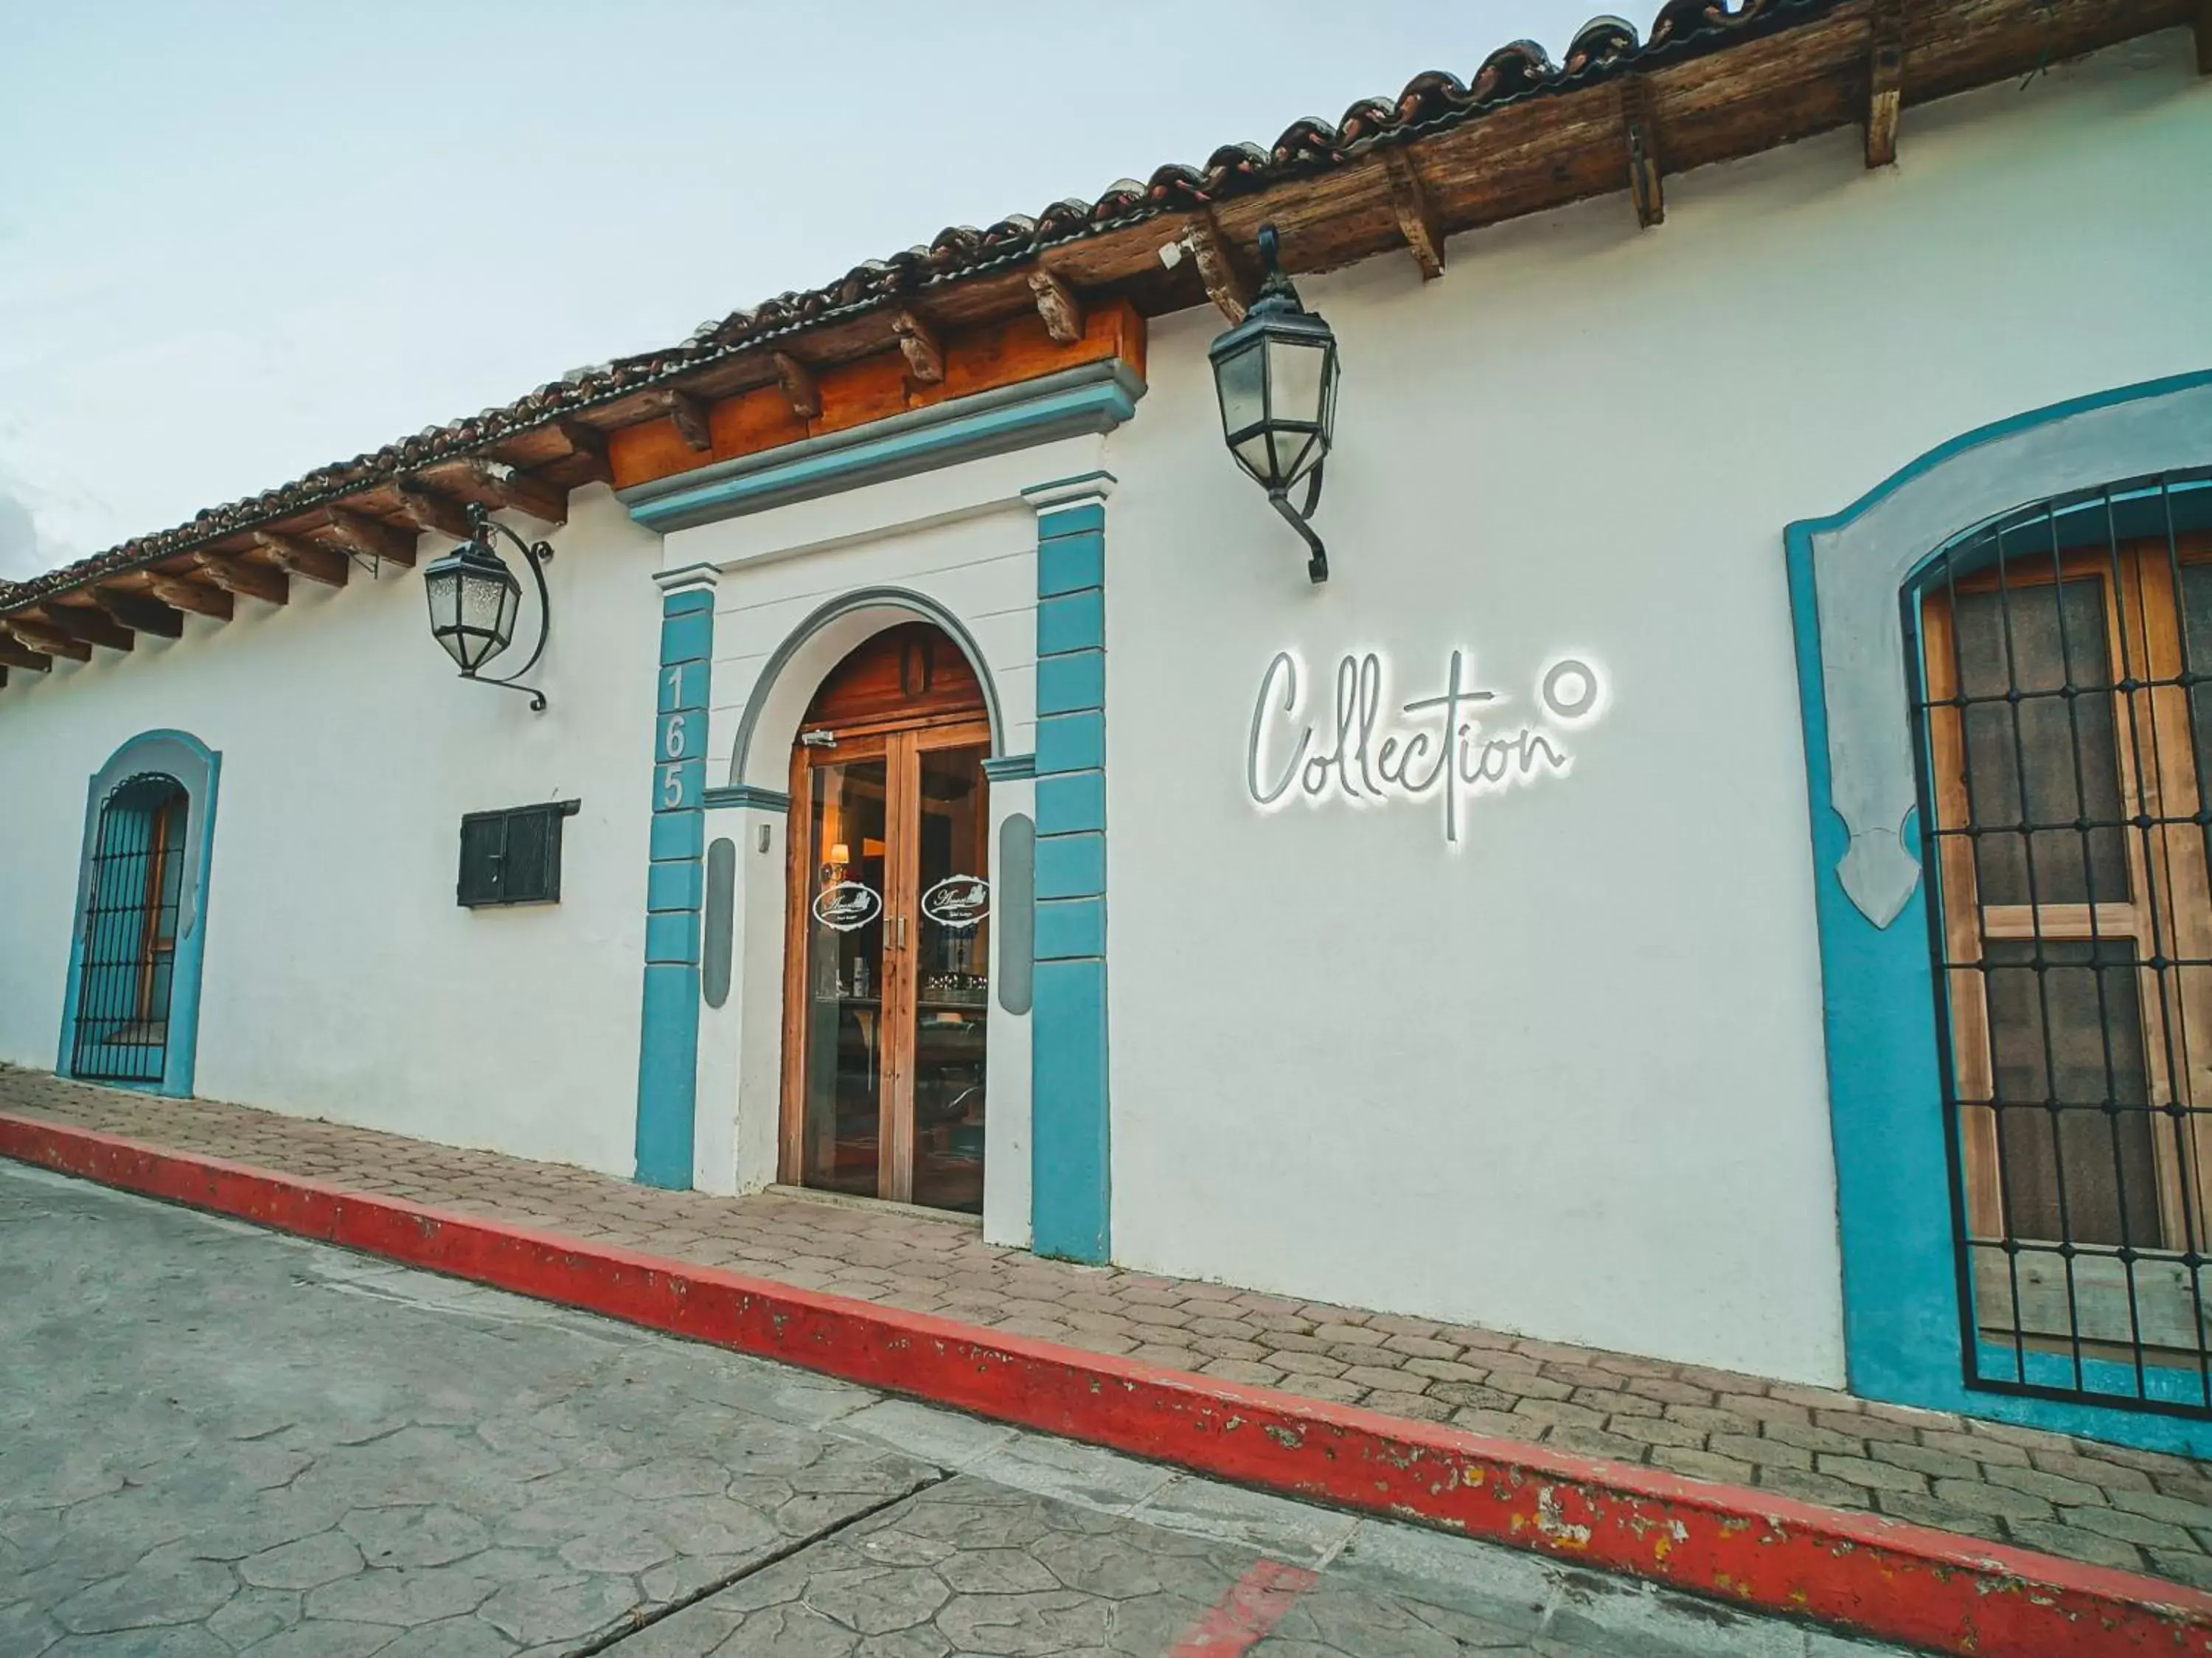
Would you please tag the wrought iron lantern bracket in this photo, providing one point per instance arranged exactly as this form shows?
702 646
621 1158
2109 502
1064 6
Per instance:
1275 373
479 549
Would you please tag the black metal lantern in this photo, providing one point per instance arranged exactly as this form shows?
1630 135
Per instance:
1275 373
473 598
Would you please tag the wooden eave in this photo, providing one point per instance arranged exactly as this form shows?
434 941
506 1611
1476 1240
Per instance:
1774 72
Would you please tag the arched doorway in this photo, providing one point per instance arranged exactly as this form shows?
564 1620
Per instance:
134 890
887 947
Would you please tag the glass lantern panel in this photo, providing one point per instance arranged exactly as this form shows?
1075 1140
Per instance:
1296 369
1242 381
1254 455
444 593
1295 451
484 599
508 608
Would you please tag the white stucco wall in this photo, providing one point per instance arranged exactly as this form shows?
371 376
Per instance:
1565 1079
1568 1080
341 980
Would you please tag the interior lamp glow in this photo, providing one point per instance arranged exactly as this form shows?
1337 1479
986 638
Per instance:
1275 373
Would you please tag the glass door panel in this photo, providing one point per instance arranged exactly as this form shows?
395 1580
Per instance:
951 971
843 1030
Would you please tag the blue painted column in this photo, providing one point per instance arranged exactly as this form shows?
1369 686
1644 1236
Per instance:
1070 1129
668 1034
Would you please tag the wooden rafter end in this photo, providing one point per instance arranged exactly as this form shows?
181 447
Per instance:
1056 302
800 389
90 626
184 593
1227 283
1416 214
434 511
239 576
587 445
138 612
690 415
925 355
1640 132
317 563
1885 80
371 538
14 655
49 640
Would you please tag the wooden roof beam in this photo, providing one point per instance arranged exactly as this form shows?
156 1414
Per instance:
1056 302
299 558
587 444
185 593
1416 214
12 654
432 510
509 487
139 612
690 415
272 587
1227 283
800 389
94 627
48 640
371 538
925 354
1886 79
1640 132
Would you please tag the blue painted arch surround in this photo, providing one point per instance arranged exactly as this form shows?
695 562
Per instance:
1849 575
197 768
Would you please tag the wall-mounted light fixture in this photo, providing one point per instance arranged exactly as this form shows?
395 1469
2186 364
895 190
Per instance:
1275 373
474 596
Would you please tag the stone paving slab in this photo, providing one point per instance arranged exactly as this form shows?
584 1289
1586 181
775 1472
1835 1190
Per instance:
2079 1499
346 1458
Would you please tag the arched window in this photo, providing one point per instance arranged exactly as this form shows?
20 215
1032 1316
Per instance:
2003 657
136 882
131 1015
2064 695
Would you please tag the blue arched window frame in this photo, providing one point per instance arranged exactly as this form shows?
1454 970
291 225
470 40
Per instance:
1852 578
195 768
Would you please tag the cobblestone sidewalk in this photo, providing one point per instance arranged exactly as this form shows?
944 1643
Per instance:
2137 1510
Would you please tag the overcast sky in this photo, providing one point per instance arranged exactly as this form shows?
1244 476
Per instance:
239 240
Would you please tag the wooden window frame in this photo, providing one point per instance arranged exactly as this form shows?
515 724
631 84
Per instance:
2167 914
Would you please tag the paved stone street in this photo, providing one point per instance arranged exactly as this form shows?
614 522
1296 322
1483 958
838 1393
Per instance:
216 1440
2140 1511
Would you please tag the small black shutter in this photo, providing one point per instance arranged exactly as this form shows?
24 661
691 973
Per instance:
513 856
484 851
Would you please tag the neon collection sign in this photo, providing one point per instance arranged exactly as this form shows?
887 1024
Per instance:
1436 748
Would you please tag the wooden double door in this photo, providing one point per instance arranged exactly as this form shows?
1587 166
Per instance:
888 927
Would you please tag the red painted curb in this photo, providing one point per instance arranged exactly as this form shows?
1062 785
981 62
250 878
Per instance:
1857 1571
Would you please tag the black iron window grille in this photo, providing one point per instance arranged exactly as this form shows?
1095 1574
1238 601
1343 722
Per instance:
129 940
2063 707
512 857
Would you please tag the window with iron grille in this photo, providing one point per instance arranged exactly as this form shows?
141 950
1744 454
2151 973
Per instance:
130 932
2064 707
513 856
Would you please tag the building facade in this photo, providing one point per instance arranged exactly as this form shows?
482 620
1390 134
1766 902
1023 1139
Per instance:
1718 871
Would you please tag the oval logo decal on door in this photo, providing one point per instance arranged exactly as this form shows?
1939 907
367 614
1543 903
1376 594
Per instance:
846 905
957 901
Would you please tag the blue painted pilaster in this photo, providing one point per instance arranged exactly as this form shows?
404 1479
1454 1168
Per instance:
1070 1132
668 1035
